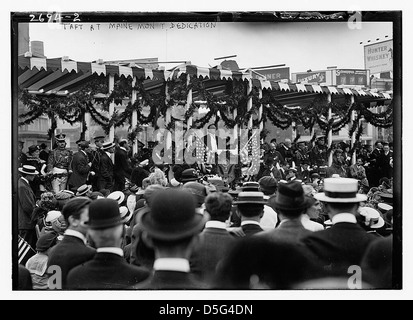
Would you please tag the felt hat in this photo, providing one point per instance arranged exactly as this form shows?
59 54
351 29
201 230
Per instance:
107 145
189 175
340 190
268 183
251 197
372 217
83 143
198 190
83 189
27 169
290 196
172 216
118 196
33 148
104 213
46 241
61 137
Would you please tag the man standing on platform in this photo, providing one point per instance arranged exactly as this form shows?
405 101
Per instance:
123 167
80 166
105 179
95 155
59 162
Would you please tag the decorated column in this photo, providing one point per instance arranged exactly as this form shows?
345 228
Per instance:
87 122
134 117
249 103
330 132
111 107
188 105
261 123
168 118
353 135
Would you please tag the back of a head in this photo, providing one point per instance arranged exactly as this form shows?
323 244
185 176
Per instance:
74 207
218 205
150 191
289 199
198 190
250 210
248 265
268 185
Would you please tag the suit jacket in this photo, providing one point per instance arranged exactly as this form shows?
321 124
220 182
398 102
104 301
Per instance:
105 271
26 204
339 247
80 169
105 179
249 229
122 168
212 247
170 280
287 231
69 253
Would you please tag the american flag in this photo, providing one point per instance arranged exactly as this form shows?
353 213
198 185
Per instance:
24 248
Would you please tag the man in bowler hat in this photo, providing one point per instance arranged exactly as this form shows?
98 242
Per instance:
171 227
290 203
108 269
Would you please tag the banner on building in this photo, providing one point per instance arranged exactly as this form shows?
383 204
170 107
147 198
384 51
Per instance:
275 74
378 57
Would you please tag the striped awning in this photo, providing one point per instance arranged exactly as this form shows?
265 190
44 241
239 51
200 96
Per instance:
62 76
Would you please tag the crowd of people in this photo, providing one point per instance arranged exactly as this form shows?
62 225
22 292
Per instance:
112 221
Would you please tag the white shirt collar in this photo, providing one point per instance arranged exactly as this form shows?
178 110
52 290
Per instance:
216 224
23 178
109 154
77 234
171 264
344 217
84 152
123 149
250 222
114 250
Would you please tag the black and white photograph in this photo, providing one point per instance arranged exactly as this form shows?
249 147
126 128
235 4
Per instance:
174 154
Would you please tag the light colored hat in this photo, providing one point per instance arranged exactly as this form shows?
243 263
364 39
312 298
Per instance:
26 169
372 217
340 190
107 145
83 189
125 214
118 196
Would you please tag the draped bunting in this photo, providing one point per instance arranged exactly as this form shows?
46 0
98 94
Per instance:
59 64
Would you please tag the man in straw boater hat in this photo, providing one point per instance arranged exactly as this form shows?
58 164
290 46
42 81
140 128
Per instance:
344 243
172 227
250 208
58 163
108 269
26 203
106 179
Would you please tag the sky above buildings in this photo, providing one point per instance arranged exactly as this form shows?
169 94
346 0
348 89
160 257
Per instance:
300 46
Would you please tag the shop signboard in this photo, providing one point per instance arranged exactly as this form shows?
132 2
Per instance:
378 57
351 77
274 74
